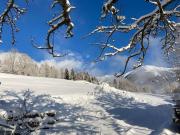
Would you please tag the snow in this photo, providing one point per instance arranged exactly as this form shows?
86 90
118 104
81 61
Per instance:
83 108
152 69
157 79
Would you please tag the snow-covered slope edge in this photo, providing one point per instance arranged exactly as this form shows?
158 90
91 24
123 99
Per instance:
85 108
156 79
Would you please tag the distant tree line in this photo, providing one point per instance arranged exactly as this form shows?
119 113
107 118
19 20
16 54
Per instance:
127 85
21 64
72 75
124 84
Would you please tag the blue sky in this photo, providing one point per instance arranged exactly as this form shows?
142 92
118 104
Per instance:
86 18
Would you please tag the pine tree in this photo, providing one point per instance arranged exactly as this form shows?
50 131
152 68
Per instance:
66 74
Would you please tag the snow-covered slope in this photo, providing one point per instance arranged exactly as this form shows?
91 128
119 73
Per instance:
157 79
87 109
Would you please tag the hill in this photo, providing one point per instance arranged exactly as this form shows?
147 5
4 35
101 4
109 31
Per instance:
85 108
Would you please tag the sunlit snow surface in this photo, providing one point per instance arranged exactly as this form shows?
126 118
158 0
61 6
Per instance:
88 109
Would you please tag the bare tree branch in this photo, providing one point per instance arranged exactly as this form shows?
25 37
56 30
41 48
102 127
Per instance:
161 21
9 16
58 21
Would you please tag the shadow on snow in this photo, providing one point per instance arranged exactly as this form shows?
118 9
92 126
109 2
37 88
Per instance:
134 113
67 114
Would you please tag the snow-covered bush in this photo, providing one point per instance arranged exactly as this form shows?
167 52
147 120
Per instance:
24 118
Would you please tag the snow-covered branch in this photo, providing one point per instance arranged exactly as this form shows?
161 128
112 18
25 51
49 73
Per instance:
9 16
162 21
63 18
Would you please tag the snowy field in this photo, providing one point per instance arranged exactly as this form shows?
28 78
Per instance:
87 109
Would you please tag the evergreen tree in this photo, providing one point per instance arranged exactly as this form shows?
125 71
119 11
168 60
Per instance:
66 74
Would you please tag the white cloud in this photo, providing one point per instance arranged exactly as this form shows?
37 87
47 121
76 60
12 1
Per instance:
70 63
119 60
155 54
93 69
65 63
72 60
75 61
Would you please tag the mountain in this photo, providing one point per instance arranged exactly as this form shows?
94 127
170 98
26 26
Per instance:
155 79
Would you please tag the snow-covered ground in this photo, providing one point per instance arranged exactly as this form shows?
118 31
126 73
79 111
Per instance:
87 109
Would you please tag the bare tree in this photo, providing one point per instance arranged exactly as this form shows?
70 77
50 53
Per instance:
25 65
53 72
72 75
11 61
45 70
